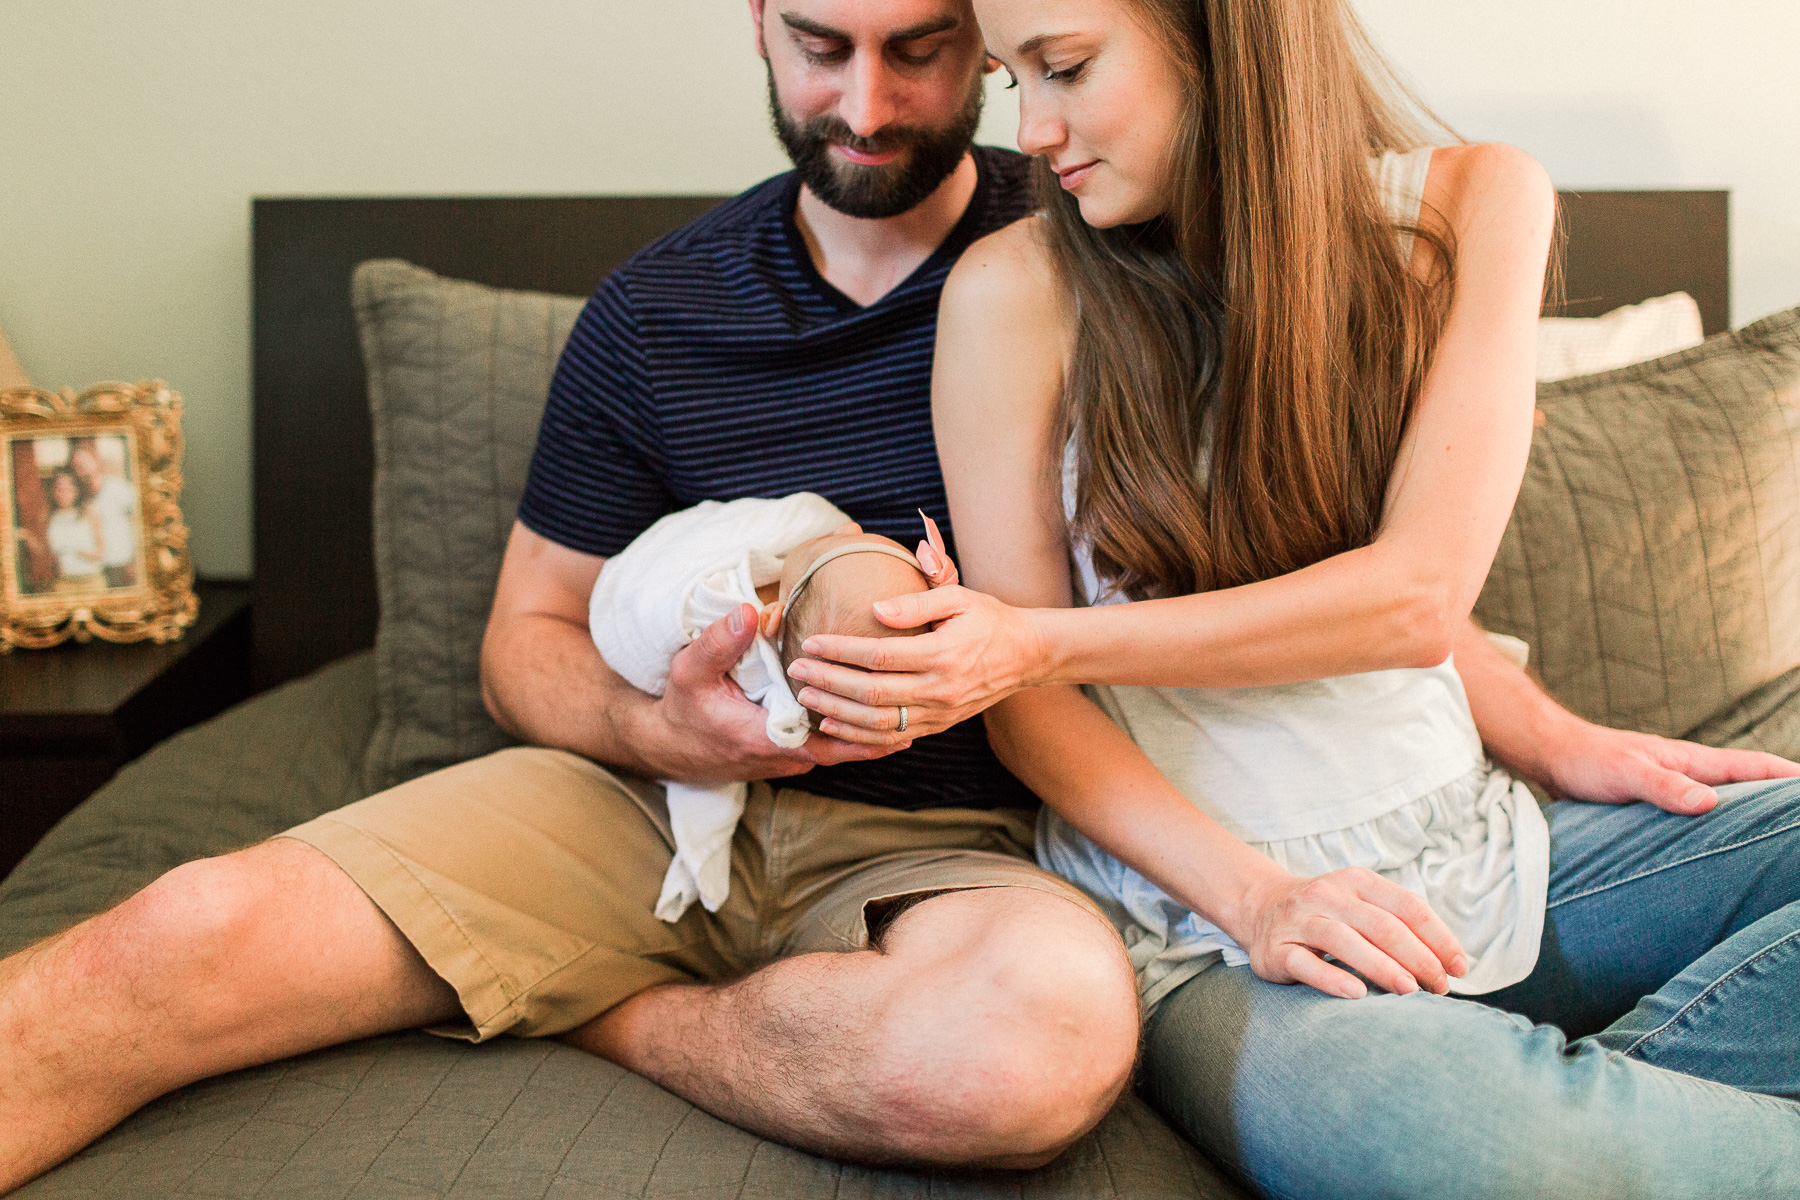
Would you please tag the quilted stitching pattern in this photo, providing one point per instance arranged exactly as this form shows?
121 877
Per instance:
416 1116
457 376
1653 559
264 766
413 1116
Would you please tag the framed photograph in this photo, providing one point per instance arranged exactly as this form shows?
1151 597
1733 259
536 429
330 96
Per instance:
91 538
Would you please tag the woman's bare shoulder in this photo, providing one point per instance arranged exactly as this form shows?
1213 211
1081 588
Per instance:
1006 275
1477 187
1002 337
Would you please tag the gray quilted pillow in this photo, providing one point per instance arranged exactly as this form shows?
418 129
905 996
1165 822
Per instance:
458 374
1653 560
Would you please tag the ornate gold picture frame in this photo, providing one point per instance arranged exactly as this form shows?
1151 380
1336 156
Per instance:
92 543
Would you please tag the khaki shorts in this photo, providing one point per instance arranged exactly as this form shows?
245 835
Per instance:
527 879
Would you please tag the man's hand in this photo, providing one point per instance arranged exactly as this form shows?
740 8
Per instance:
545 683
1612 766
1534 737
704 729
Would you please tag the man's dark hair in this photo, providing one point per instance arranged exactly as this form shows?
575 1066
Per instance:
875 192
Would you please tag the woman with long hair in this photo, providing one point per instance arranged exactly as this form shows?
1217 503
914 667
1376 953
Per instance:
73 534
1255 392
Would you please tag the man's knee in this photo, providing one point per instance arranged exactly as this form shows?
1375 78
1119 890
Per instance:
1015 1027
198 911
195 921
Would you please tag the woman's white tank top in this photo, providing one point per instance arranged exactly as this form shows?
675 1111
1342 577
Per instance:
1382 769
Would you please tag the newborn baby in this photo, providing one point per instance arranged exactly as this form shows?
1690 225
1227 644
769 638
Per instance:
830 585
808 568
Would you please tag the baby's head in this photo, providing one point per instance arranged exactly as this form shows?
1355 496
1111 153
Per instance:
840 594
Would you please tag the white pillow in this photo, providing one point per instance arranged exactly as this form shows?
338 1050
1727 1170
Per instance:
1570 346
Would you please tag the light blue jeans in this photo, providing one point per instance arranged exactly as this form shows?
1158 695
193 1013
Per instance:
1671 957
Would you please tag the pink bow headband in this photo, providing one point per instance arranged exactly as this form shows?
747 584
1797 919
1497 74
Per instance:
934 560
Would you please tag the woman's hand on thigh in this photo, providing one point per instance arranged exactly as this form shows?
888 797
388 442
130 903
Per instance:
1366 922
978 652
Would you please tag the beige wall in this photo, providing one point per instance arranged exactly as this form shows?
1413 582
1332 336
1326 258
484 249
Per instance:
132 137
1630 94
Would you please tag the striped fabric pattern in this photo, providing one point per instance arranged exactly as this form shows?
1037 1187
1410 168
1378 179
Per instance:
718 363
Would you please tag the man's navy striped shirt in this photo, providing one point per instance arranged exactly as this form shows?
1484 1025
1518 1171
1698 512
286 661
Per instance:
717 363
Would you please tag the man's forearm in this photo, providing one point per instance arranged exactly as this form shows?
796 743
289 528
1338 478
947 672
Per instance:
1520 725
545 683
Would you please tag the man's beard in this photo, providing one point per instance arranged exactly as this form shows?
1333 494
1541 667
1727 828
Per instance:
875 192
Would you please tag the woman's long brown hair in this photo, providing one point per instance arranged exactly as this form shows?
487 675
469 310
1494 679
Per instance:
1270 307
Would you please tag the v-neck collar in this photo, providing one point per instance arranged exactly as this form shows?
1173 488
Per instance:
954 243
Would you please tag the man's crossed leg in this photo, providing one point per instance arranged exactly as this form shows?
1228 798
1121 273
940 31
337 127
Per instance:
990 1020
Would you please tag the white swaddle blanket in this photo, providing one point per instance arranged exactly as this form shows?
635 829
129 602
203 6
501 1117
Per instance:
657 595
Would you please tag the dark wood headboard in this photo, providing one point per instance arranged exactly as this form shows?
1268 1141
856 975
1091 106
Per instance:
1623 247
314 591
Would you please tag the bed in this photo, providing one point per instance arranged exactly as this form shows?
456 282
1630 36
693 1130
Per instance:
414 1116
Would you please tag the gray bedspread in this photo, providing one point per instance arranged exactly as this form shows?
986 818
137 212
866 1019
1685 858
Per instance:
415 1116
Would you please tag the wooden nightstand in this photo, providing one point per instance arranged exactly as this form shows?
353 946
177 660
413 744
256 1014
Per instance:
71 716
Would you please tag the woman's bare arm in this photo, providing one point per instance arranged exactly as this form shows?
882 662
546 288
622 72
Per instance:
1399 602
1074 756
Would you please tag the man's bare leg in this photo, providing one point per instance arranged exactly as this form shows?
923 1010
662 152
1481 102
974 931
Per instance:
220 964
991 1028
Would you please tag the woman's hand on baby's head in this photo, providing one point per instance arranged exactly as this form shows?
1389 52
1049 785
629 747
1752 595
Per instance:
976 652
702 728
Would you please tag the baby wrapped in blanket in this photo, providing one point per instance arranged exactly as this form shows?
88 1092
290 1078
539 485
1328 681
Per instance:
807 568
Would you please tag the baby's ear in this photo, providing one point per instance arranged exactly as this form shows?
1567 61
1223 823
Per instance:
770 621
